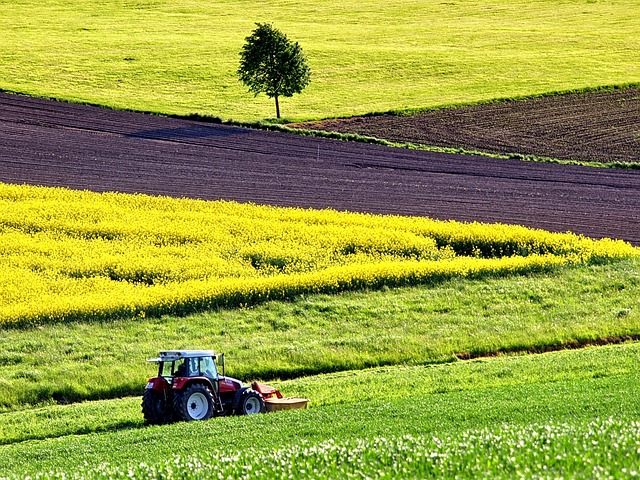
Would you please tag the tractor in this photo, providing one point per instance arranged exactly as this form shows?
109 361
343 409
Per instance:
189 387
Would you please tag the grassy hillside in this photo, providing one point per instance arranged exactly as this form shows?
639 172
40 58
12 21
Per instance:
565 394
181 57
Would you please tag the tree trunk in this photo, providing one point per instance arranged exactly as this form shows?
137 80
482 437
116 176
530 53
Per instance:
277 107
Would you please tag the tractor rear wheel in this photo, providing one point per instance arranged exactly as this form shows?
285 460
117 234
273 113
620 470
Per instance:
194 403
154 407
251 402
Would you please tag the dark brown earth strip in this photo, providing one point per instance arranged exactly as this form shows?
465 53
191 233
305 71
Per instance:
55 144
601 126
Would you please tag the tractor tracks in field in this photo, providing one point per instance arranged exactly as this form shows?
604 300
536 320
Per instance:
571 344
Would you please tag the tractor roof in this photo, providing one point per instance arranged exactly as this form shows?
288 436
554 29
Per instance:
173 355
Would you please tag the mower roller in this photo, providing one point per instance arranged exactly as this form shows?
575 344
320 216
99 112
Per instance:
189 387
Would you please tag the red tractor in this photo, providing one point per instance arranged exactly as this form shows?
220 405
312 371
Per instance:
190 387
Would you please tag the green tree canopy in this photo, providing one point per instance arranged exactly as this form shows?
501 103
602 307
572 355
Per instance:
273 64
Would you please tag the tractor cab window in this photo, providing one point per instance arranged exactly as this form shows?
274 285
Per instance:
180 368
193 368
166 369
208 367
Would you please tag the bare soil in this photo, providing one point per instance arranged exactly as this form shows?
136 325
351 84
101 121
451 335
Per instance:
601 126
81 147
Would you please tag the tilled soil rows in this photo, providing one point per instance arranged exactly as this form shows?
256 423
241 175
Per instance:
56 144
596 126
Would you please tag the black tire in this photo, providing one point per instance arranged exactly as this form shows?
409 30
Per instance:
250 403
154 407
194 403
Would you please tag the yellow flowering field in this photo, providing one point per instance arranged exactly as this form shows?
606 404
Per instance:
70 255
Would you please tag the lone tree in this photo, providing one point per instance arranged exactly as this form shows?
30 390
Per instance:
273 64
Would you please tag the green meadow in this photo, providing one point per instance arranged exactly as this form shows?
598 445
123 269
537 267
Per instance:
585 400
181 57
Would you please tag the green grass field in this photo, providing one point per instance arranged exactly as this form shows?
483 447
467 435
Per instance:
180 58
505 397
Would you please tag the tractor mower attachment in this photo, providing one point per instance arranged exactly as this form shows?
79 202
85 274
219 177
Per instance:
274 400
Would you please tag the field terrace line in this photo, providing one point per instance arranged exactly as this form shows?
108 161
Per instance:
49 143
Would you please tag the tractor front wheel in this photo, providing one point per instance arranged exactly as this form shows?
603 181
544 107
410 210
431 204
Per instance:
251 402
154 407
194 403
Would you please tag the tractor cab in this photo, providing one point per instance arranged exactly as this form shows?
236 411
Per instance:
176 364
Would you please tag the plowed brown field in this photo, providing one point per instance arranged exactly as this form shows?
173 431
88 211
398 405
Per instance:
82 147
596 126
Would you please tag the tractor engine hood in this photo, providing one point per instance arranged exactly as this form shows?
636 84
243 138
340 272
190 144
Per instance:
229 384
